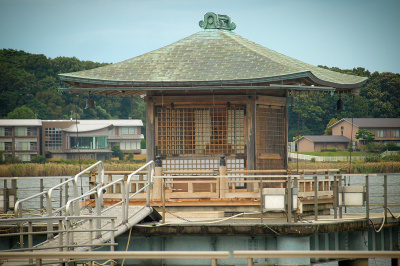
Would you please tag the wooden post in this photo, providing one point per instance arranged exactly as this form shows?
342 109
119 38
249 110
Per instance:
92 182
41 190
110 189
289 198
385 196
223 186
316 198
30 238
157 185
340 206
150 129
251 136
261 200
367 197
66 191
163 200
296 185
335 197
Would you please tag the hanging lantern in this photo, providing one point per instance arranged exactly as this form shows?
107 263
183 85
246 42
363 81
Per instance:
89 103
339 104
290 99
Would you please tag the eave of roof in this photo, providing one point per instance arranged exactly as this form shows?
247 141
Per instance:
86 128
20 122
323 138
371 122
207 58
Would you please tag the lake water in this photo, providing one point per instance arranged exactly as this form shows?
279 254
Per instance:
29 187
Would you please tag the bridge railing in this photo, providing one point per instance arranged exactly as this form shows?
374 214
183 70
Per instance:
63 222
49 195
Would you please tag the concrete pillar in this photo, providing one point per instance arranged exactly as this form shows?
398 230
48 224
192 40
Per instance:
293 243
343 240
271 244
334 241
358 240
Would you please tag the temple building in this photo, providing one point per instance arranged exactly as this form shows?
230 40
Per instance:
214 93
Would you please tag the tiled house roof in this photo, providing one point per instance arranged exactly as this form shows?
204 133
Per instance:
210 57
372 122
320 138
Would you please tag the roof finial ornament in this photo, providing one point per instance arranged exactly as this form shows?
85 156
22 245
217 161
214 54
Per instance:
217 21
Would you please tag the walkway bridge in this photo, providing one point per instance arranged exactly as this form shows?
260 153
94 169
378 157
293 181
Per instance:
81 227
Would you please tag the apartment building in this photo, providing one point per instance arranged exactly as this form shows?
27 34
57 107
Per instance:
69 139
20 138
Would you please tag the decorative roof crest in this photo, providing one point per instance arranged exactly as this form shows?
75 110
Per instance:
217 21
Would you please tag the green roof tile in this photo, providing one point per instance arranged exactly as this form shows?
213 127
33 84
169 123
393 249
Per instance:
211 55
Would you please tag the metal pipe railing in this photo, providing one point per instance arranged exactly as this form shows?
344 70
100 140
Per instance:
148 186
100 172
69 231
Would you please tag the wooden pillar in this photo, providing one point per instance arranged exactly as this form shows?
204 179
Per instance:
150 129
157 185
223 185
286 123
251 136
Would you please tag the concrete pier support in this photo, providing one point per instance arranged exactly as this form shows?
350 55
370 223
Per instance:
293 243
271 244
358 241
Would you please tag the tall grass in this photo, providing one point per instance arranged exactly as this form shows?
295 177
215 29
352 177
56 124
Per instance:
57 169
356 167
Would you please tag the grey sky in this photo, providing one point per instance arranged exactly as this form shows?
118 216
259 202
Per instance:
339 33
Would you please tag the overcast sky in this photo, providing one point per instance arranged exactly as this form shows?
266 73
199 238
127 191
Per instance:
340 33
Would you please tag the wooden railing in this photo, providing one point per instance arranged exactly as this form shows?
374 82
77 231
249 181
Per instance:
234 184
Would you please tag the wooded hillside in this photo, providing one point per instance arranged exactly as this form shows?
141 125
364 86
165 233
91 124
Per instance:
31 80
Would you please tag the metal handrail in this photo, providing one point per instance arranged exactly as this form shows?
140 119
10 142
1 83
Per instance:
18 204
213 255
121 255
48 194
100 171
148 186
341 254
71 201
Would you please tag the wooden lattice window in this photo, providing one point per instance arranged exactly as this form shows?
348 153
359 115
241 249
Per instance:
270 137
201 130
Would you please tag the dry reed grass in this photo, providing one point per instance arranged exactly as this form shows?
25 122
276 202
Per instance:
57 169
356 167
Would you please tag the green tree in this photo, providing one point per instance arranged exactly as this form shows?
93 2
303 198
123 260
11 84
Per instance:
39 159
328 130
22 112
117 152
365 134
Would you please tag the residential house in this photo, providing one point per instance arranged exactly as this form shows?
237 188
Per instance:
343 133
310 143
385 129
